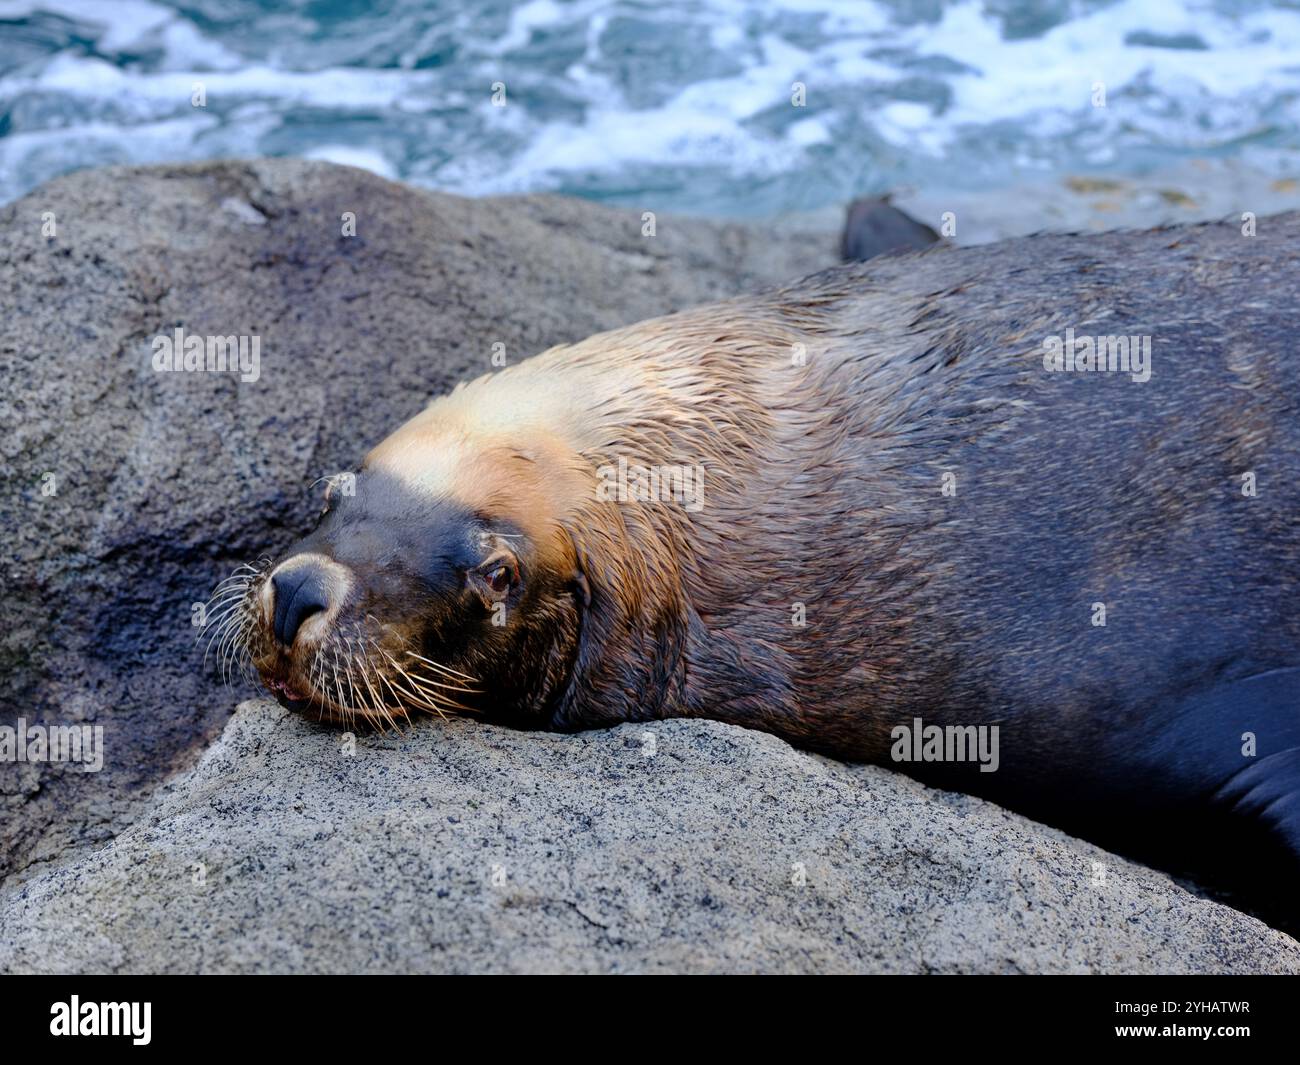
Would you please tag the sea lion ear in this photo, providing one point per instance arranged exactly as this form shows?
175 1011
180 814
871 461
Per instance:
579 583
593 626
581 589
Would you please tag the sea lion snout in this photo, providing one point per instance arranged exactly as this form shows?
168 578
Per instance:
297 592
394 602
301 597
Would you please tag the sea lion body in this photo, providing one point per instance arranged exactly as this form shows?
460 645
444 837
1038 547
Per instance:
908 517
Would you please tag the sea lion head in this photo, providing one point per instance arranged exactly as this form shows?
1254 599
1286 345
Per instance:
438 578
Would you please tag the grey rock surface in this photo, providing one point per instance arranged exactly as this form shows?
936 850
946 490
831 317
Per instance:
162 482
668 847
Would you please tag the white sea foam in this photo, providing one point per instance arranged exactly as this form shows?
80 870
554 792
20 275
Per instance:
348 155
619 90
123 22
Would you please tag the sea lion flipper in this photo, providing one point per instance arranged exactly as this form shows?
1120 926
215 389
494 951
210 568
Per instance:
1227 779
1267 794
1256 803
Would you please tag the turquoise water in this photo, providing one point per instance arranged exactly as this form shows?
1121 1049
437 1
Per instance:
676 105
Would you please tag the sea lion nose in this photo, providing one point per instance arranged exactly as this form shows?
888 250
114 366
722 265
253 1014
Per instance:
298 591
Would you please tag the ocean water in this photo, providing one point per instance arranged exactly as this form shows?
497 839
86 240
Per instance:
673 104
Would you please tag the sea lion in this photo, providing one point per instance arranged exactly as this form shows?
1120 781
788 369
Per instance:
874 226
929 492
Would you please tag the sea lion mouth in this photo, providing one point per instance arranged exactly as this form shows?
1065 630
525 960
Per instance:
353 681
353 673
286 695
366 688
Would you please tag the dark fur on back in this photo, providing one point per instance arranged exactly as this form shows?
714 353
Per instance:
977 608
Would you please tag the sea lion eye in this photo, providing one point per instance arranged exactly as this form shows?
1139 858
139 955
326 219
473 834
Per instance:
496 576
498 579
327 503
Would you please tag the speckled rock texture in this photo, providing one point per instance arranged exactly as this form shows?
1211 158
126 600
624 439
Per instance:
680 846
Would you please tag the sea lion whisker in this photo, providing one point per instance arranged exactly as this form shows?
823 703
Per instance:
227 592
429 700
417 699
220 602
232 581
214 610
420 700
216 616
246 667
437 696
235 580
376 702
324 685
336 688
313 675
443 669
341 697
436 683
363 704
229 636
213 632
384 678
237 650
354 701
